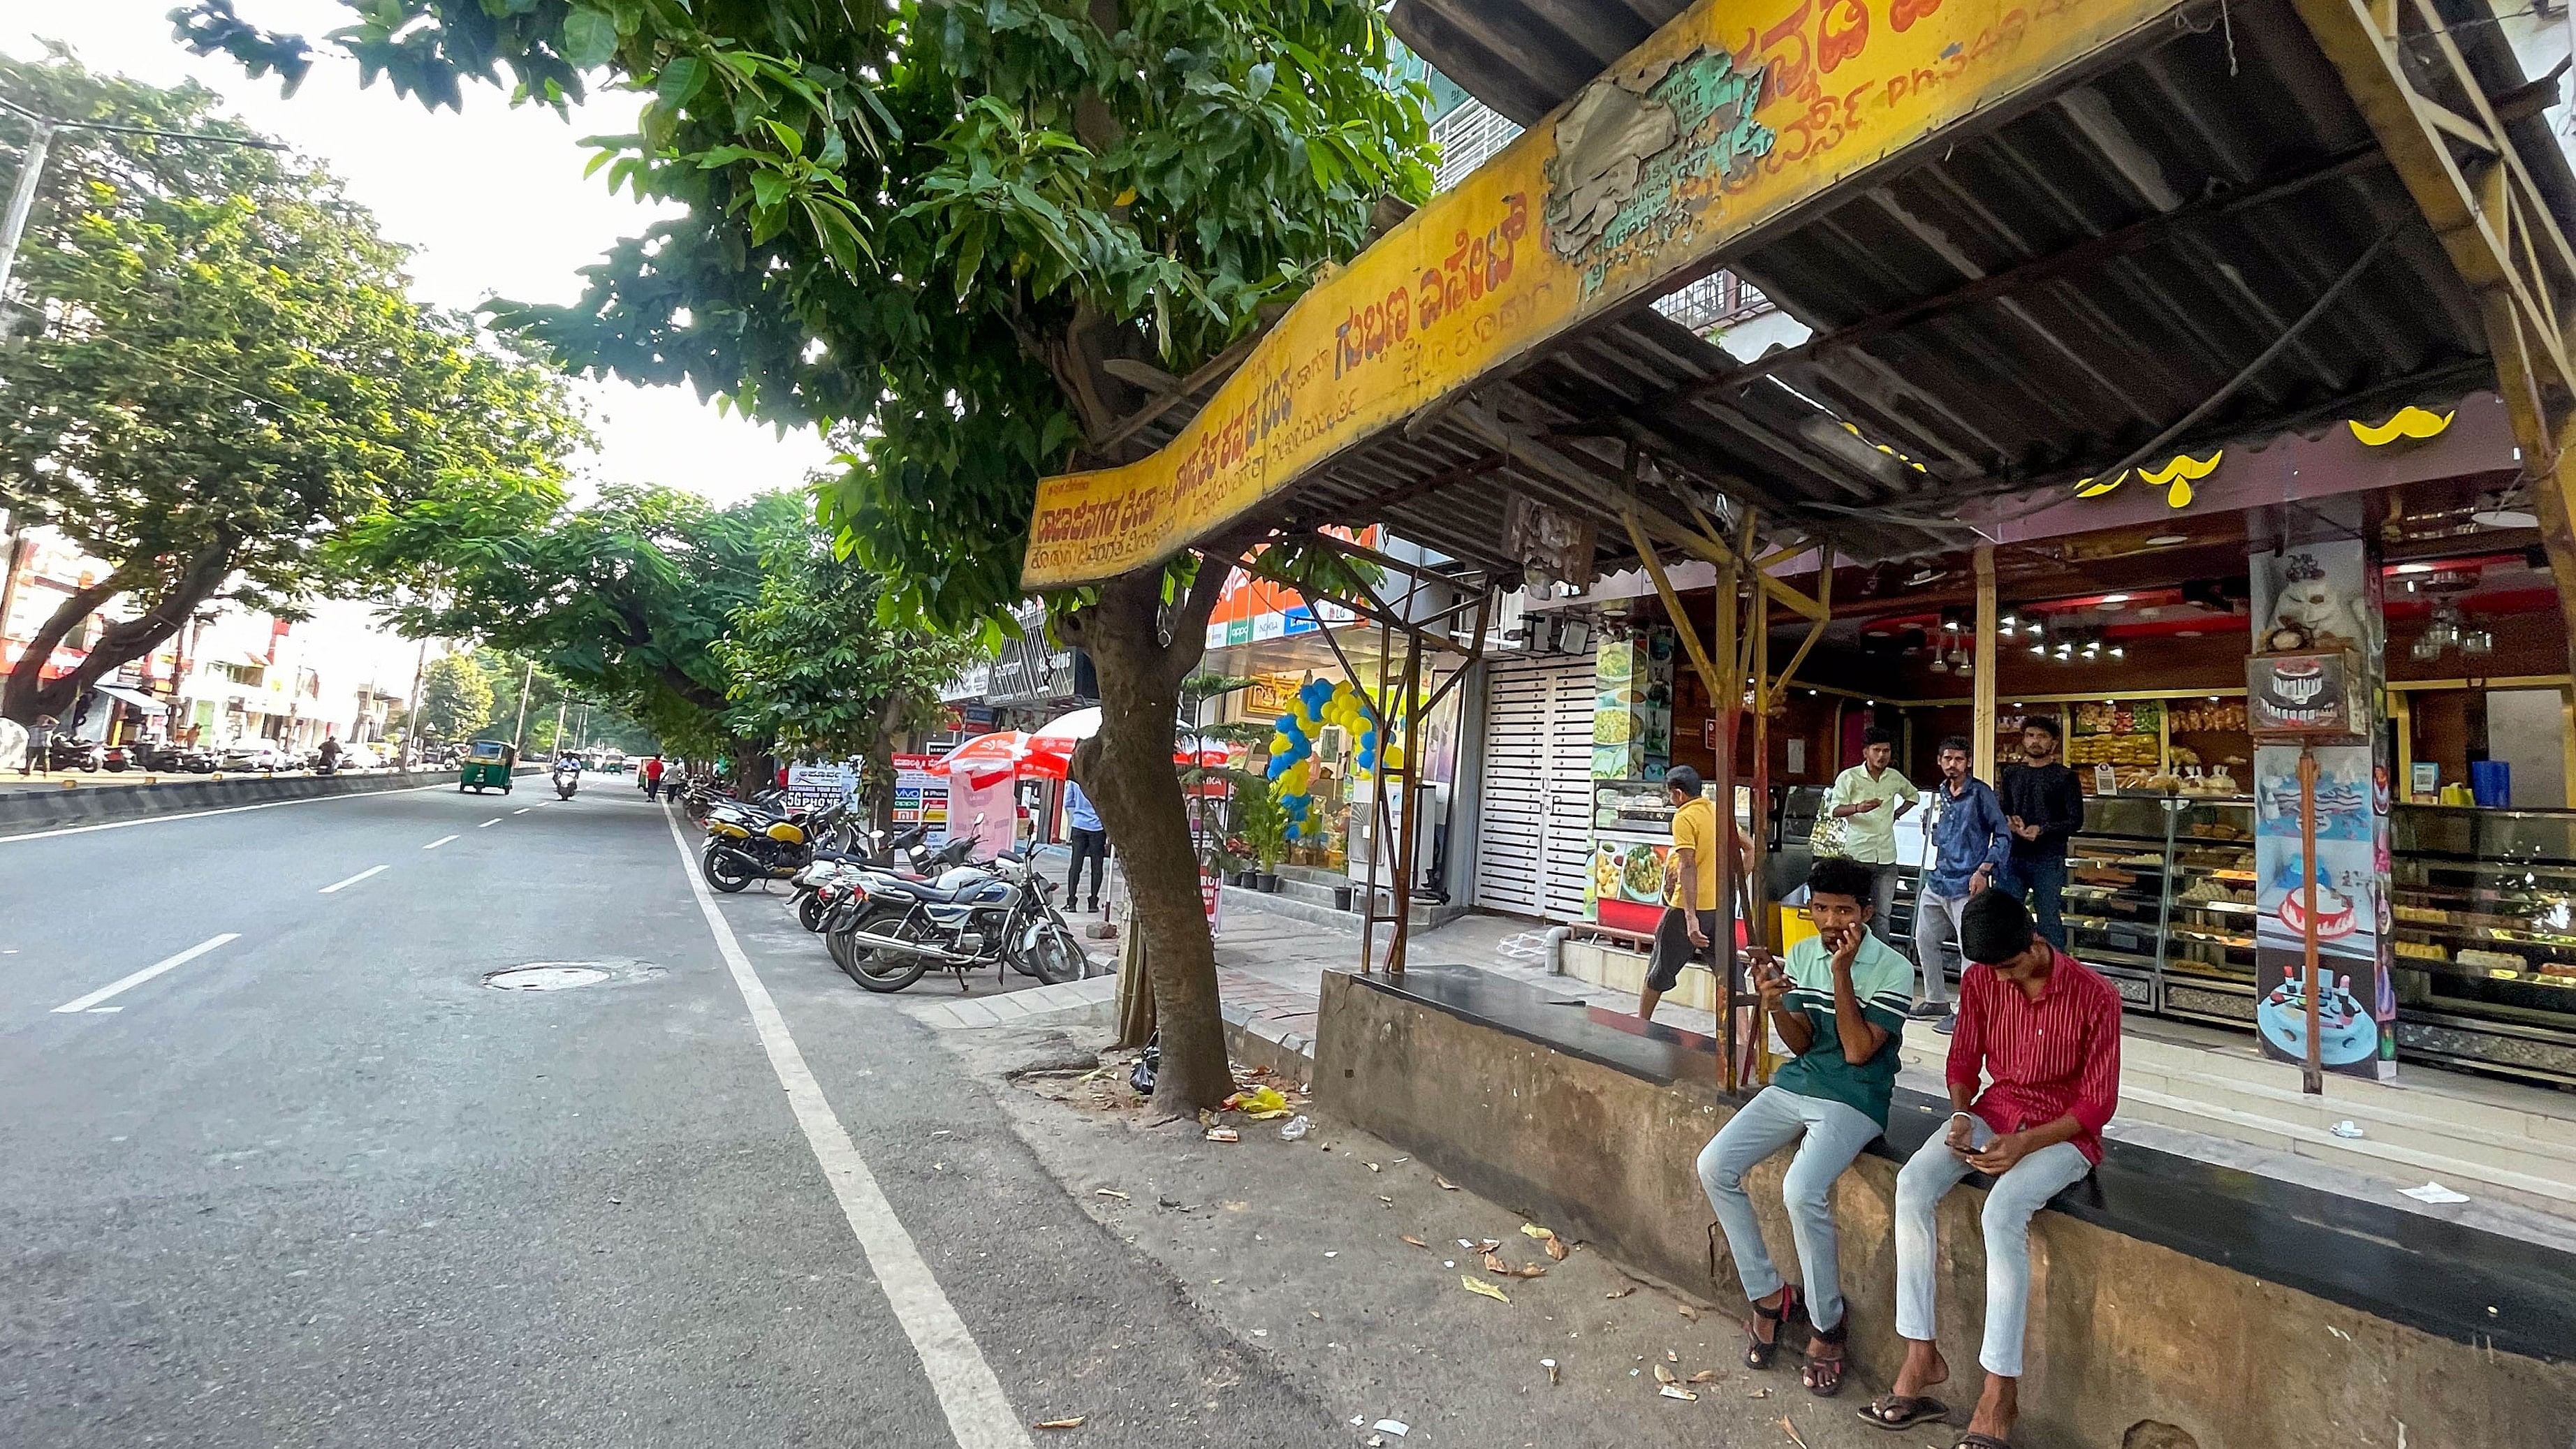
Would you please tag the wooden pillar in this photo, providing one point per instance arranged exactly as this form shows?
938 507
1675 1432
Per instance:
1981 736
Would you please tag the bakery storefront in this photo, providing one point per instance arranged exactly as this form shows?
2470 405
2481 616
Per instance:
2126 615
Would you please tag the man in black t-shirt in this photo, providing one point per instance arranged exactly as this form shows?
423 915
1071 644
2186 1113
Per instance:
2044 806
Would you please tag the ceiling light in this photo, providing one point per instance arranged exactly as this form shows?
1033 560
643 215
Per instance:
2413 568
2186 633
2066 651
2119 651
2039 649
2166 540
1940 664
2115 598
2477 641
2505 518
1967 666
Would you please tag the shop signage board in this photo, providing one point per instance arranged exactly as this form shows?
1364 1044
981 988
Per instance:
1252 610
920 797
1716 130
812 785
2320 595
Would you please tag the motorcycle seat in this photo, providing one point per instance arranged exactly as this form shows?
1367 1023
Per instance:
913 886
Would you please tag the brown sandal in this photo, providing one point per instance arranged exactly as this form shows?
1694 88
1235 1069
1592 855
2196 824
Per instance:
1824 1376
1757 1354
1903 1411
1973 1440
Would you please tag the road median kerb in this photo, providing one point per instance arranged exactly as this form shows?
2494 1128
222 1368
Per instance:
87 804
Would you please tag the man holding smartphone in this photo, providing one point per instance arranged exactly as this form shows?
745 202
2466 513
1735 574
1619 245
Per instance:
2034 1075
1840 1007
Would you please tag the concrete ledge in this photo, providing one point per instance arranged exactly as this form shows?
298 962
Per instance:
2222 1328
25 810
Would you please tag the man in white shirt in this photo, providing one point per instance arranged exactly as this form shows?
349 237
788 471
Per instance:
1868 798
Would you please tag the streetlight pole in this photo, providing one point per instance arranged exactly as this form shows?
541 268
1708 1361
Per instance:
519 731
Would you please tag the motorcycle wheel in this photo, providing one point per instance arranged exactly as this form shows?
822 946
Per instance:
723 872
876 970
1055 958
809 912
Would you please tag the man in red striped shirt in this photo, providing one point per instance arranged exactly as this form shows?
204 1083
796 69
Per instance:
2034 1074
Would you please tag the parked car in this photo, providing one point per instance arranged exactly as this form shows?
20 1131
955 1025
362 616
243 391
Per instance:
361 757
255 755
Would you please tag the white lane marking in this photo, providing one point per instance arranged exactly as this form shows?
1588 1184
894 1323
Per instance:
199 814
979 1415
495 820
102 1010
338 886
167 963
522 810
435 844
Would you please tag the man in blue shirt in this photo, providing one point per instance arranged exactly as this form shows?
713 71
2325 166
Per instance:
1970 838
1089 842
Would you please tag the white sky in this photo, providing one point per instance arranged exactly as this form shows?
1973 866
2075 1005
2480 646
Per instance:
493 200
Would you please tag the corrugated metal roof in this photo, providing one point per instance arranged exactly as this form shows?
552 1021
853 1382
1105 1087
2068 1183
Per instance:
2037 302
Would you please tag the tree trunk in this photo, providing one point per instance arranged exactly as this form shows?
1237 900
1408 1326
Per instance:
1127 771
28 695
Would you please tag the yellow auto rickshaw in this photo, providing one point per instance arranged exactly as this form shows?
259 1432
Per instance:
487 762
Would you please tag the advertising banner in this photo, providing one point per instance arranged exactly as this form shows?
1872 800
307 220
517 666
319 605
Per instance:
920 798
2317 597
1723 123
813 785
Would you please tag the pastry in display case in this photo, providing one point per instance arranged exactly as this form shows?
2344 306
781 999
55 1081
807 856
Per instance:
2115 886
2209 938
2483 907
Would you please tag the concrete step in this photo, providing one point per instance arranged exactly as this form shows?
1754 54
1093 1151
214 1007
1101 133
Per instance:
2389 1161
2423 1123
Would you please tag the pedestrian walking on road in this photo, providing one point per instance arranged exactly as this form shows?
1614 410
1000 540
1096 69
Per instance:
1968 840
1089 841
652 777
2045 1031
1840 1007
40 739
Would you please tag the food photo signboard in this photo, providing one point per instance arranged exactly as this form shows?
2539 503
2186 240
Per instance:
2316 694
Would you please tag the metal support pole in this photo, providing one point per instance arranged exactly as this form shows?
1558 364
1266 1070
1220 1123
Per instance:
1728 701
2312 1074
1403 857
1981 727
22 200
519 731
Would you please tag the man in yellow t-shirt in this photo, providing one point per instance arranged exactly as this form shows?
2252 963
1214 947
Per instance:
1690 891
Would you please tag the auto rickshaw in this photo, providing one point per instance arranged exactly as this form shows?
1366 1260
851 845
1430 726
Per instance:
486 762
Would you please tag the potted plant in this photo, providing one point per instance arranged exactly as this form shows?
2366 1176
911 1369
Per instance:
1263 823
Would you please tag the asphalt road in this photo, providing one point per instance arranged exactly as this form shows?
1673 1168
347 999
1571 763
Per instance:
316 1184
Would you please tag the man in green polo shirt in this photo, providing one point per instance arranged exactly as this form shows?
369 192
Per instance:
1841 1007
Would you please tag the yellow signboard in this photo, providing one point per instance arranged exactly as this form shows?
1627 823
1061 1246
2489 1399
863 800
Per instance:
1731 115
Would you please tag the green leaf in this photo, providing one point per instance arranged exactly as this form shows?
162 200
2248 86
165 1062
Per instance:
680 82
589 38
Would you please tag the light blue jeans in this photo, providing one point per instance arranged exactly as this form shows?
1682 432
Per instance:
1921 1184
1834 1134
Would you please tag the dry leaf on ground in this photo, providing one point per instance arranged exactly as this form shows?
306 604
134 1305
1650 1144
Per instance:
1792 1431
1109 1192
1073 1423
1533 1230
1481 1288
1621 1292
1442 1183
1417 1242
1664 1375
1495 1265
1704 1376
1687 1311
1556 1247
1530 1270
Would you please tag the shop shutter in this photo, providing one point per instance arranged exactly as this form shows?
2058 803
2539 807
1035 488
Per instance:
1533 828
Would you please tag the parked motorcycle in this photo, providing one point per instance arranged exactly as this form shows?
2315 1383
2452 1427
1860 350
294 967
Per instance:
827 882
748 842
892 930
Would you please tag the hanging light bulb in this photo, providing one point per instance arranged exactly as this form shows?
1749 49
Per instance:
1940 663
2477 641
1967 667
2066 651
2425 649
2119 651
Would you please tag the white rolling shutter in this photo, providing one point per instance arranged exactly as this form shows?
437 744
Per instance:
1533 826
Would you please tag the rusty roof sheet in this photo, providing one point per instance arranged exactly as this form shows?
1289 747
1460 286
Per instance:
2037 302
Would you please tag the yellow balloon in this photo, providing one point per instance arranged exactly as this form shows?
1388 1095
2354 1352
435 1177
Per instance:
1281 744
1392 757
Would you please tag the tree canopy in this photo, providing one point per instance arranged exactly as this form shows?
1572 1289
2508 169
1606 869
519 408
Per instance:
623 598
218 369
455 697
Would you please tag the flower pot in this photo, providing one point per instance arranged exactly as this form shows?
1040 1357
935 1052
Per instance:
1247 879
1269 883
1342 898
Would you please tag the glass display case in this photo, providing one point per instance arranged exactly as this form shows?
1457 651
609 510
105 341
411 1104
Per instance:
2208 960
2116 870
2486 947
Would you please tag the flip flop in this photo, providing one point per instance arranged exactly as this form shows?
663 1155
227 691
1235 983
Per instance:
1903 1411
1980 1441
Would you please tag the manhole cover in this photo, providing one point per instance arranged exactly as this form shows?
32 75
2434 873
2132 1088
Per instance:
545 977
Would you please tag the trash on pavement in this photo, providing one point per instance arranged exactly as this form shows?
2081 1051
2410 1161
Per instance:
1676 1391
1622 1291
1223 1134
1072 1423
1792 1431
1109 1192
1482 1288
1549 1364
1142 1077
1442 1183
1397 1427
2434 1192
1260 1103
1671 1357
1295 1128
1373 1167
2346 1128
